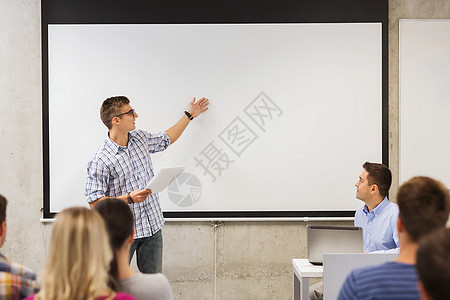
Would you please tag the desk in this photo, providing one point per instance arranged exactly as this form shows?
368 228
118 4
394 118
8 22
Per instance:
303 270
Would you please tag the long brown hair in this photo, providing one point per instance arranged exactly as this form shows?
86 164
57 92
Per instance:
119 222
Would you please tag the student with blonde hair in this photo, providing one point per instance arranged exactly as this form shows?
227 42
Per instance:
78 260
119 221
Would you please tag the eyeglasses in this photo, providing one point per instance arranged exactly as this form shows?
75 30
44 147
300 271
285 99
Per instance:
131 112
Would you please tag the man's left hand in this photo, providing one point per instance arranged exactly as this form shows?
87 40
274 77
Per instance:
199 107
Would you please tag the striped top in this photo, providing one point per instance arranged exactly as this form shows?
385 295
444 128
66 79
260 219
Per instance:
115 170
391 280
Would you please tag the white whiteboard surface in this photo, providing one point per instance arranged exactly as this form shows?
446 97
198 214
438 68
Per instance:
424 99
317 88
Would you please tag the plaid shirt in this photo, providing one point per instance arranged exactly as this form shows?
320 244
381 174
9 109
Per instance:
116 170
16 281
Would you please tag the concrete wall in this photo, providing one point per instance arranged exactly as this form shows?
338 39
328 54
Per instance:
404 9
253 259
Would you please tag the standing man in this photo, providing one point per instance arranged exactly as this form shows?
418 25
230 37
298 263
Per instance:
122 167
378 217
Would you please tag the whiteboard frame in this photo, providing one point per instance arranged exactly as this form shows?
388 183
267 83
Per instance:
87 12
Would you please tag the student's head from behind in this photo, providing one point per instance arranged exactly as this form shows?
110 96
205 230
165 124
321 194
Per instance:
433 261
111 108
3 204
375 180
119 222
79 256
424 205
118 218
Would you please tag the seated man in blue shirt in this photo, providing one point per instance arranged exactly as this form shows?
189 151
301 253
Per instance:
377 217
424 206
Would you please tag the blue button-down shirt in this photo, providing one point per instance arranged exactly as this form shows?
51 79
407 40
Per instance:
115 170
379 226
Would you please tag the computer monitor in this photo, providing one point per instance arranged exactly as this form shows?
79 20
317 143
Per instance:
332 239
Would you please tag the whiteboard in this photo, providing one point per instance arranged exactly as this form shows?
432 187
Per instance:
296 109
424 69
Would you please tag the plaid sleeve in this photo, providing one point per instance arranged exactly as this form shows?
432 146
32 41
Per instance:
97 180
17 282
158 141
16 287
20 270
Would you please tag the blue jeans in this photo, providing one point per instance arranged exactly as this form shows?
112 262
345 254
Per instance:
148 253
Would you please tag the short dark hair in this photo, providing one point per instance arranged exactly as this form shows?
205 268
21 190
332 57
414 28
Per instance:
424 205
111 108
380 175
119 222
433 260
3 203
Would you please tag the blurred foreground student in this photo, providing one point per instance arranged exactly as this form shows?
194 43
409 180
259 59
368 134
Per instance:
119 221
424 206
78 260
433 265
16 281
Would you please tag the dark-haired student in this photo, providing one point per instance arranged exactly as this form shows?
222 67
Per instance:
424 206
16 281
378 215
119 222
433 261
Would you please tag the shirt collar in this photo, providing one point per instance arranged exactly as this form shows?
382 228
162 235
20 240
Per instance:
377 210
114 148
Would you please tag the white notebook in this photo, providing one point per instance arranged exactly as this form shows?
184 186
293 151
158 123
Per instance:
163 177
